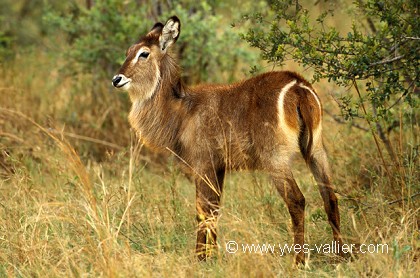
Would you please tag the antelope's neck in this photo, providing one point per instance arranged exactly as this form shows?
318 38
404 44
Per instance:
157 121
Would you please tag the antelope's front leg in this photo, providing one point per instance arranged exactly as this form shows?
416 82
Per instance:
208 194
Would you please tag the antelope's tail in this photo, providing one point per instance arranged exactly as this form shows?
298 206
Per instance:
309 112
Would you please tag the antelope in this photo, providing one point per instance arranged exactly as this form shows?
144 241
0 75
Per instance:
257 124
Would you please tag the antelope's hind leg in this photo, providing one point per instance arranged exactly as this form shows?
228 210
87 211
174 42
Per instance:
319 166
295 201
208 193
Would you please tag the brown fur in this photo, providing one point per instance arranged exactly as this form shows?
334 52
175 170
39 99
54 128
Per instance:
214 128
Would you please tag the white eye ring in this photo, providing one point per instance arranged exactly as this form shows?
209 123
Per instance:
141 54
144 54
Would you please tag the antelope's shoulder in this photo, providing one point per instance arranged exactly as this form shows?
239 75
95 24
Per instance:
209 89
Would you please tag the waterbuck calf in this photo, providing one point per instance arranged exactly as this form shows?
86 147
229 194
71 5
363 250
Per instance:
256 124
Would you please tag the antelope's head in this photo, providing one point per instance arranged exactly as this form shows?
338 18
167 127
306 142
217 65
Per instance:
141 72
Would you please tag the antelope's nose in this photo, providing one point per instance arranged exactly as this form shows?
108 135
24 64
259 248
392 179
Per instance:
116 80
121 81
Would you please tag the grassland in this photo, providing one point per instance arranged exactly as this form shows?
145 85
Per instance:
79 196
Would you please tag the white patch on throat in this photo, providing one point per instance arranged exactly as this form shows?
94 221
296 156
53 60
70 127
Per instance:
136 107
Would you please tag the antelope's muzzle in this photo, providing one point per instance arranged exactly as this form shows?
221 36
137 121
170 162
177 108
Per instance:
119 81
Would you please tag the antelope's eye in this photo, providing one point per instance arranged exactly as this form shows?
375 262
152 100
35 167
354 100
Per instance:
144 55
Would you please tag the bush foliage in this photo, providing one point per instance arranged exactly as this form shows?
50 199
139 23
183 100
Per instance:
379 56
99 36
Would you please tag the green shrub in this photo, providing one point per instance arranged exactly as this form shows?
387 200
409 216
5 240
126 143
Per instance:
100 35
379 56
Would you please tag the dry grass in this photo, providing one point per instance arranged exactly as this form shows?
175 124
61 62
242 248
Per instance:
67 213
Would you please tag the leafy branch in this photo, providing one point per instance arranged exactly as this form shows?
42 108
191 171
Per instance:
381 63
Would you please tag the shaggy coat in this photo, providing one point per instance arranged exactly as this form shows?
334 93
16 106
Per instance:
257 124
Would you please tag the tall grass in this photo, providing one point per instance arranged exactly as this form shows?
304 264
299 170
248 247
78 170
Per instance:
79 198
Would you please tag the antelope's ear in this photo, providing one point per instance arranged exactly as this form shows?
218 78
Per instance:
170 33
157 28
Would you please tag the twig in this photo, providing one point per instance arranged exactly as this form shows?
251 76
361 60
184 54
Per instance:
371 129
14 137
339 120
72 157
53 131
131 240
404 199
367 206
412 84
387 61
412 38
384 137
86 138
